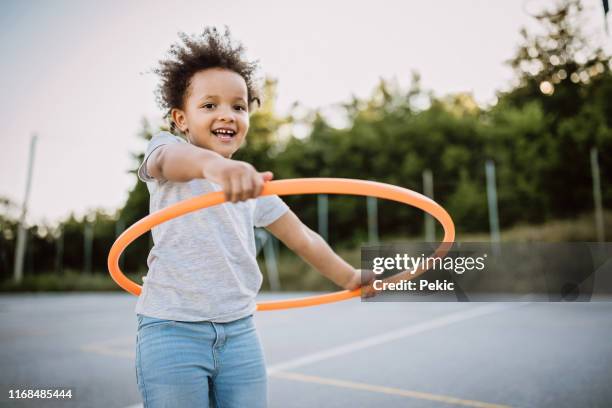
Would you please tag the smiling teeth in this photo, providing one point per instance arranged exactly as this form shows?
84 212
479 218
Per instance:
224 132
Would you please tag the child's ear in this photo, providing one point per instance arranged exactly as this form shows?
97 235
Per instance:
254 105
178 117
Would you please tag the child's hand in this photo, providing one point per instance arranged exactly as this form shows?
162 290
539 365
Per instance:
364 282
239 180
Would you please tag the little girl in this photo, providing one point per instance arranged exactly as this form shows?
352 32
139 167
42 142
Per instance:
196 342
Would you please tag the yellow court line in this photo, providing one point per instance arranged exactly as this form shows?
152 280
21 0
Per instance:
117 347
384 390
108 351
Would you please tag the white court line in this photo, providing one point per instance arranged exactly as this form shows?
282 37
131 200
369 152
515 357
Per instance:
385 338
390 336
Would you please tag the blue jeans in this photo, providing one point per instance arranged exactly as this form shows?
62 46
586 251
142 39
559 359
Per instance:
192 364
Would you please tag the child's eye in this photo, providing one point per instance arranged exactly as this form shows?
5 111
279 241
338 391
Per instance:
240 107
208 106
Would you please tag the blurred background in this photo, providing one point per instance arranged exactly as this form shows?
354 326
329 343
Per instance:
502 112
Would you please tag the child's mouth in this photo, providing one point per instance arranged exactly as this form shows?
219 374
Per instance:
224 134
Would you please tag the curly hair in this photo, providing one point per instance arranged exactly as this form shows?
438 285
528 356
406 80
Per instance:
211 49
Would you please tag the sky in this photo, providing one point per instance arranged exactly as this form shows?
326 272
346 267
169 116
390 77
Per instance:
78 73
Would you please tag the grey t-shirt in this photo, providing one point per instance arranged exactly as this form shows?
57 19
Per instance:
203 264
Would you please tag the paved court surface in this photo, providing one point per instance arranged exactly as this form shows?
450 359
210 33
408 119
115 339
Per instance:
349 354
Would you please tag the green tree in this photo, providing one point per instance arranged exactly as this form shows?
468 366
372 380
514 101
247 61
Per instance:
571 80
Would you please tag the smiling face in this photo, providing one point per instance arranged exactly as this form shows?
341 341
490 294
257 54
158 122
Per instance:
215 111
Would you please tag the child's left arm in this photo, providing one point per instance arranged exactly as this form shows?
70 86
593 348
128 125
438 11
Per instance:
312 248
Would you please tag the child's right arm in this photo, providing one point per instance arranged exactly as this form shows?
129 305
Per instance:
185 162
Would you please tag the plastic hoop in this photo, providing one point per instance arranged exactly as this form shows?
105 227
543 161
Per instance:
281 188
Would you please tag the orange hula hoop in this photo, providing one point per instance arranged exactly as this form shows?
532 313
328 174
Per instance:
281 188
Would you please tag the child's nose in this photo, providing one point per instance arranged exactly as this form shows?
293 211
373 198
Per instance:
226 115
